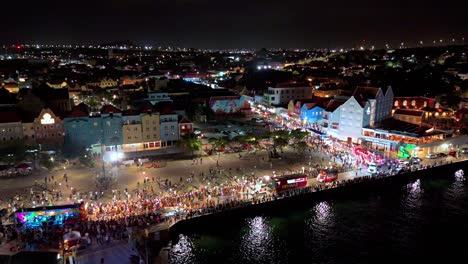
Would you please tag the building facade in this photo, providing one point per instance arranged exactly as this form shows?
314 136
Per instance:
150 126
49 130
132 131
311 113
11 129
169 129
111 120
282 93
185 127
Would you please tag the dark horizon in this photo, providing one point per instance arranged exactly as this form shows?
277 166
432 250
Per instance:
223 25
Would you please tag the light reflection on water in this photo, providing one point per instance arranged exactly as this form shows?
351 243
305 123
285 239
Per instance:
183 249
409 219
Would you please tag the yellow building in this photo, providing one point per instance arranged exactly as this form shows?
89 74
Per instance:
57 85
131 131
150 130
104 83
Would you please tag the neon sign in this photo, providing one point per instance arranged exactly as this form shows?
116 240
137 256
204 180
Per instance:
47 119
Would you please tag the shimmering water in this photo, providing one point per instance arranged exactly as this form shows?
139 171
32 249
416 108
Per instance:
420 221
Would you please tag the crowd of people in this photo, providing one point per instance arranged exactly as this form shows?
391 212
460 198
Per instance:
146 206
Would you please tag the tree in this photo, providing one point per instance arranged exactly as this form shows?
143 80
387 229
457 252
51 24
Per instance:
190 143
280 139
218 143
297 136
300 147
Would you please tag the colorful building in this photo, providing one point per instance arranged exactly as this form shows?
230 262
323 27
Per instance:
49 130
132 131
111 120
77 131
150 127
311 113
185 127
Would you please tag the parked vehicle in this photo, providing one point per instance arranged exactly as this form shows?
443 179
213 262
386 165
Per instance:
441 155
372 168
431 156
453 153
464 150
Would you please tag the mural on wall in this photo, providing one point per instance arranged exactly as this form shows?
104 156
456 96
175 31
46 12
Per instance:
228 104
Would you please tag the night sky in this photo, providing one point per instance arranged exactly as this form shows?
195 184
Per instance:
232 24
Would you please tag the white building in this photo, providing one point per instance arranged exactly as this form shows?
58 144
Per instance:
365 108
282 93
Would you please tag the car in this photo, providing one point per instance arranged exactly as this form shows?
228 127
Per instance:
403 162
453 153
325 178
441 155
372 168
431 156
416 160
464 150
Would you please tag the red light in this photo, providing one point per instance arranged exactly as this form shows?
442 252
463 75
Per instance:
18 47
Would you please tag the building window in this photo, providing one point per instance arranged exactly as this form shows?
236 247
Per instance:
413 103
425 103
396 104
405 103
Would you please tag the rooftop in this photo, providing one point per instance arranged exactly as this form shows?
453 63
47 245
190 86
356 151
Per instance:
395 126
9 116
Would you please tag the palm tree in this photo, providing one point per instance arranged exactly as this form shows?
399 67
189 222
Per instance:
190 143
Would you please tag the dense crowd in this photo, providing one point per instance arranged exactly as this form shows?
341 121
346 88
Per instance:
144 207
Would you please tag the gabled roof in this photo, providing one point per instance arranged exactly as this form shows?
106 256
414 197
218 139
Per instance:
164 108
364 94
333 105
80 110
147 107
185 121
130 112
310 105
107 109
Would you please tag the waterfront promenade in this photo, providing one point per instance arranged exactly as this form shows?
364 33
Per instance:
204 199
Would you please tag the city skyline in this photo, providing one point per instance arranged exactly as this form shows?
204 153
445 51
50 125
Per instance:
221 25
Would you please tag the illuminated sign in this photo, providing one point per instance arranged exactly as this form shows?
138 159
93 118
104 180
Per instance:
296 180
47 119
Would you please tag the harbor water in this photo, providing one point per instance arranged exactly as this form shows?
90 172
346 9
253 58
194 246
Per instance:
424 220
